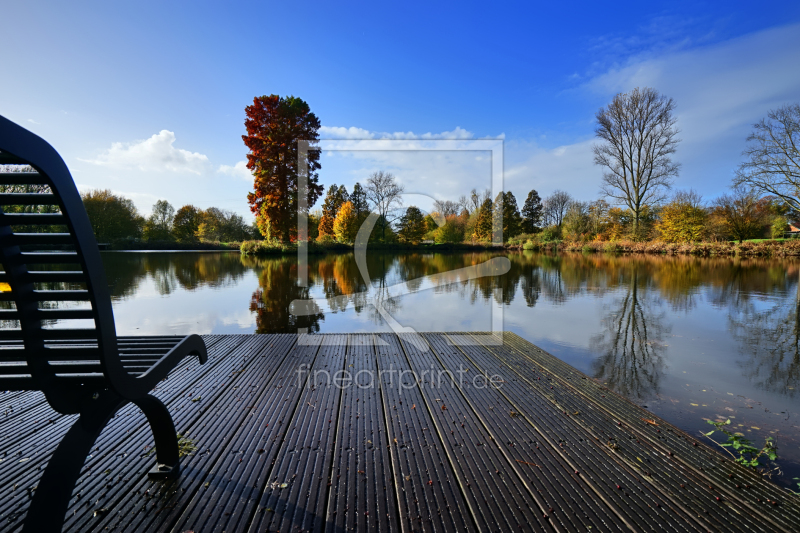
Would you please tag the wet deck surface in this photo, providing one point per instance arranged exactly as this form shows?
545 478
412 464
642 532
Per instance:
378 432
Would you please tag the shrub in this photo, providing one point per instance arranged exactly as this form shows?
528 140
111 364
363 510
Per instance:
779 227
550 233
325 238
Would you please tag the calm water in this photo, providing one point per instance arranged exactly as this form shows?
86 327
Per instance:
689 338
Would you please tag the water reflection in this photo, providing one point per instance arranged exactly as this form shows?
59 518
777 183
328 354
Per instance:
170 272
639 298
277 288
769 340
631 347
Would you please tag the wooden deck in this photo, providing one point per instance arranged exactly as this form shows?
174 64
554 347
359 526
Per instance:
408 447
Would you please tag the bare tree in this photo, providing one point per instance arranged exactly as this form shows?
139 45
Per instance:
476 198
640 135
554 207
445 207
384 196
773 156
691 198
464 203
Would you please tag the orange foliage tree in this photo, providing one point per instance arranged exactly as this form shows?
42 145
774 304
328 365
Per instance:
274 125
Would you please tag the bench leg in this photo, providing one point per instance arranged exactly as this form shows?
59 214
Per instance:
163 428
54 491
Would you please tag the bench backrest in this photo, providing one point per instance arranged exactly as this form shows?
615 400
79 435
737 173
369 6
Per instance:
52 270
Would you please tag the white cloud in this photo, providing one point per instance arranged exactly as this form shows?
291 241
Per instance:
239 170
338 132
719 90
33 121
569 167
157 153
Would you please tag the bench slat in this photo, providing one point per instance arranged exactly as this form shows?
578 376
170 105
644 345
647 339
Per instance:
22 178
9 159
52 296
40 239
28 198
41 276
17 383
37 258
84 367
51 314
28 219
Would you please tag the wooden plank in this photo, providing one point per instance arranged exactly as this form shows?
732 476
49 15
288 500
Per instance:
640 444
420 450
237 479
429 495
40 441
295 494
566 497
213 429
497 498
362 493
589 469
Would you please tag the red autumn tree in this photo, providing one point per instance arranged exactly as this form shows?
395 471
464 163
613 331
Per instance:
274 125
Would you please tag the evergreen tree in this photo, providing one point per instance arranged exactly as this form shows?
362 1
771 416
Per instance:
359 199
532 213
412 225
506 204
342 196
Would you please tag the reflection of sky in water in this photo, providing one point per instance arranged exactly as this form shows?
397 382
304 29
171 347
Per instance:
702 351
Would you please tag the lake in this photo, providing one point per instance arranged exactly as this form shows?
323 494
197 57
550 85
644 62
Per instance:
689 338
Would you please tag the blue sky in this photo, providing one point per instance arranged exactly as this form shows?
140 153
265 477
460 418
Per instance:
148 99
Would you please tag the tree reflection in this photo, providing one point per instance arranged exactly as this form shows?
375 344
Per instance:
631 348
770 340
170 271
277 288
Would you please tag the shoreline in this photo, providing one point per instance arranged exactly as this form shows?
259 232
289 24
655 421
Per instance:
764 248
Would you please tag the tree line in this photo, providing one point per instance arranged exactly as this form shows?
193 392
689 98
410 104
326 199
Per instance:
115 218
638 137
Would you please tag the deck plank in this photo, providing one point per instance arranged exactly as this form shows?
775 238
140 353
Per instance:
422 449
704 473
362 495
565 496
295 495
430 498
498 499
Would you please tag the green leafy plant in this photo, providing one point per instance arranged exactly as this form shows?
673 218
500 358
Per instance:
185 446
742 450
798 488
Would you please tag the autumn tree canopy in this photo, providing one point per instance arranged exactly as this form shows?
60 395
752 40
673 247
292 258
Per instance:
345 226
112 217
334 200
274 125
184 225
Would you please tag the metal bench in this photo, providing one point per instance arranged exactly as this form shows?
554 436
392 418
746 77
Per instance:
58 333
